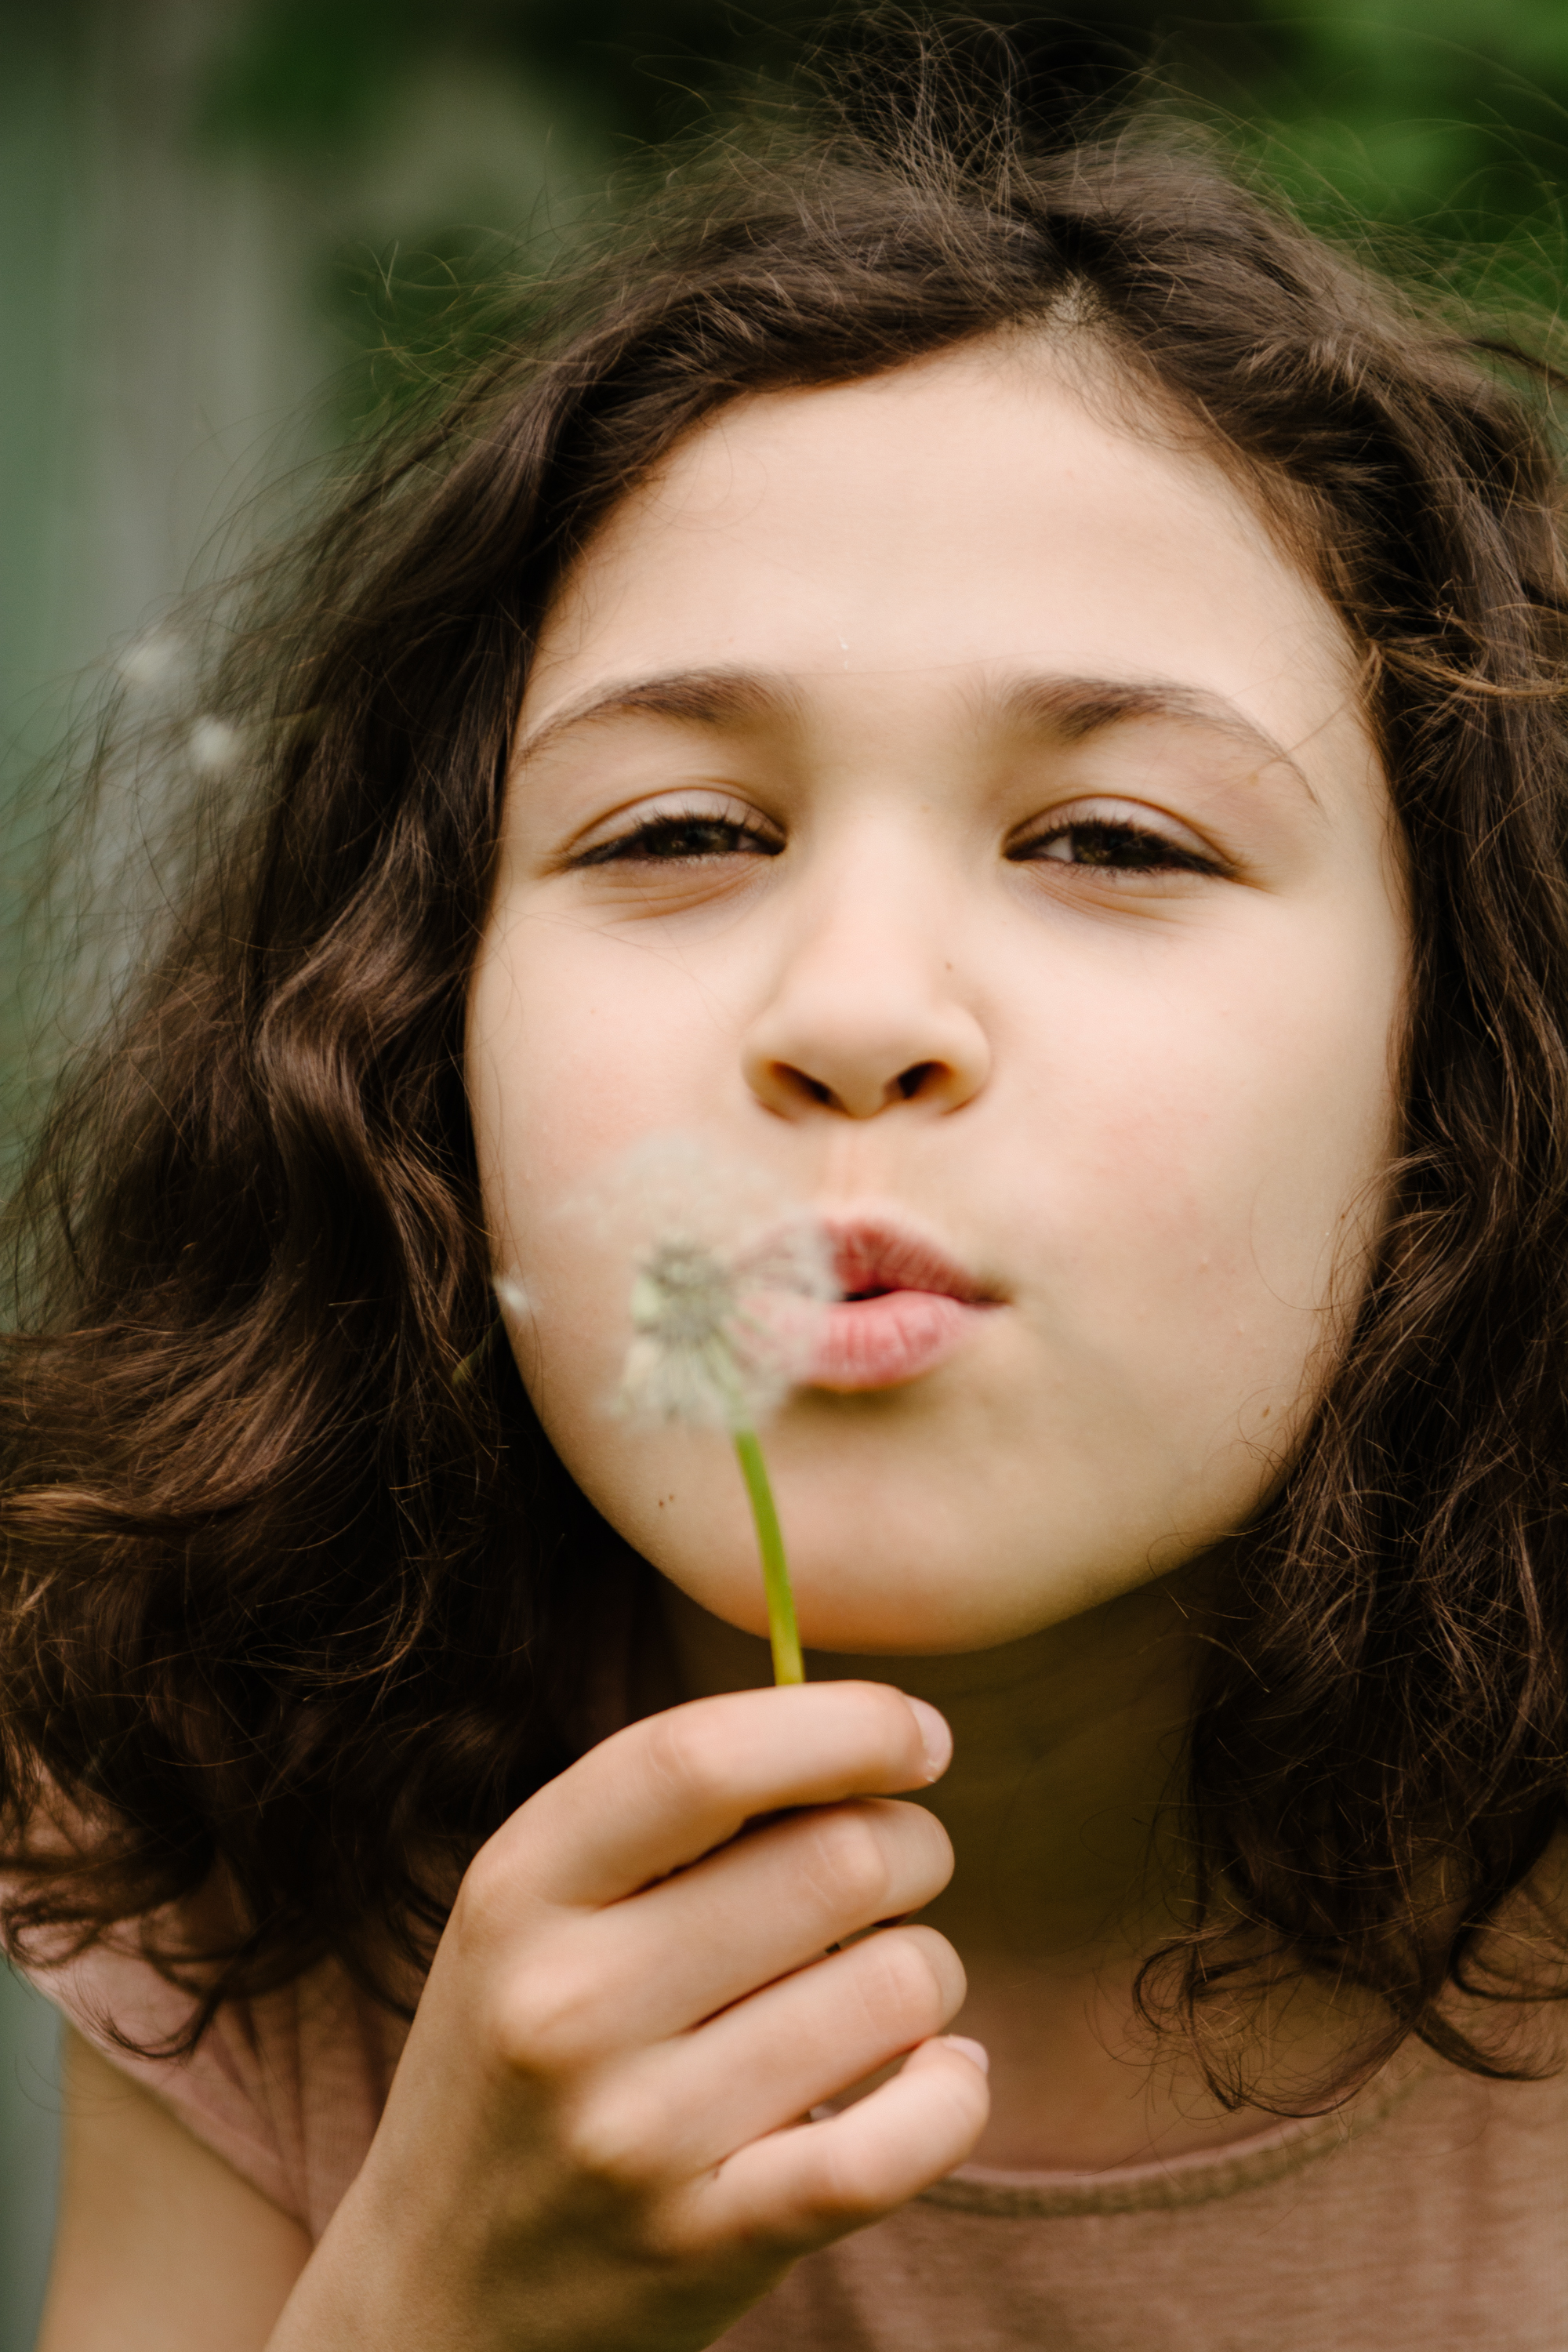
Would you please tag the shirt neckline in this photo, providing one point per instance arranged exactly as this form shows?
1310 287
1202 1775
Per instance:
1200 2179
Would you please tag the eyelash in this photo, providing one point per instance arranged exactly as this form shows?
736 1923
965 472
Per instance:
687 839
660 841
1106 832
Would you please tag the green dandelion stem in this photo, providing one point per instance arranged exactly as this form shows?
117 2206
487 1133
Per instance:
782 1632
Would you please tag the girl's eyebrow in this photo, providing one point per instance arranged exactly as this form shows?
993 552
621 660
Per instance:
1070 708
701 698
1077 708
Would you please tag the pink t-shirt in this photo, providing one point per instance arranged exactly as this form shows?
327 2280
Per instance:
1430 2217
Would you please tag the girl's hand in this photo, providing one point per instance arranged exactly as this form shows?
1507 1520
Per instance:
594 2139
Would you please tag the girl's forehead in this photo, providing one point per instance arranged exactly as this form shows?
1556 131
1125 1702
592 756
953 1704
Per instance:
994 508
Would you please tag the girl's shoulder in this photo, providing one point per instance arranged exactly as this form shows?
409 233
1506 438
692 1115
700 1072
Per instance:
287 2086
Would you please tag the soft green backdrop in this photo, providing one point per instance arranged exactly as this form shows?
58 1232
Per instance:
229 228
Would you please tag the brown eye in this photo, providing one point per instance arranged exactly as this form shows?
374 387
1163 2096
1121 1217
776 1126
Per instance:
1111 845
677 839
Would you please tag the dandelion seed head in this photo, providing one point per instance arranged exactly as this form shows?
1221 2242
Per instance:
729 1282
681 1293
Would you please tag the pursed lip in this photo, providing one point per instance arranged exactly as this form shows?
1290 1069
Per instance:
907 1306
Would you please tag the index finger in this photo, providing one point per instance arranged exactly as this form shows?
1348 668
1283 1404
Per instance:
661 1793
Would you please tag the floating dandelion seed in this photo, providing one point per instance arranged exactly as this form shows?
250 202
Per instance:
727 1291
512 1294
214 745
153 659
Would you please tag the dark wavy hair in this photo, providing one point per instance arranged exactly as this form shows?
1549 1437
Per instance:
296 1597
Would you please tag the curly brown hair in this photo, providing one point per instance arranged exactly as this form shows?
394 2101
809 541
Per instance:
296 1597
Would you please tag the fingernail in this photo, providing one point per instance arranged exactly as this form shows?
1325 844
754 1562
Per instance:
975 2052
935 1736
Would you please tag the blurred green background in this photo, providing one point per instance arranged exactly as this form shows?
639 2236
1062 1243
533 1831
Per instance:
231 230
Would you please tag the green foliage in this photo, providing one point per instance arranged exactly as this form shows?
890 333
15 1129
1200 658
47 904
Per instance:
1442 119
1433 111
307 75
1428 92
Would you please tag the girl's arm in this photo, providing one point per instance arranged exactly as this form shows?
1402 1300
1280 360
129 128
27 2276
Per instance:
161 2248
590 2141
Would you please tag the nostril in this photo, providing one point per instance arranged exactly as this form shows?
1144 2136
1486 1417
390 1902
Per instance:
796 1081
864 1092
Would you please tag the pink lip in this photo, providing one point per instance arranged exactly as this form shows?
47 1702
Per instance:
907 1308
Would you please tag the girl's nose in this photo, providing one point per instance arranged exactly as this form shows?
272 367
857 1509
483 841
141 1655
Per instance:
865 1017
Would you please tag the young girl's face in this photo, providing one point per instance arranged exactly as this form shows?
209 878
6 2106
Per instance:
954 803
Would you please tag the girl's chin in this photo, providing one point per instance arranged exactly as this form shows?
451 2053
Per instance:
934 1606
879 1624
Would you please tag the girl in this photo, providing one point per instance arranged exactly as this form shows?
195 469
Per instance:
1008 687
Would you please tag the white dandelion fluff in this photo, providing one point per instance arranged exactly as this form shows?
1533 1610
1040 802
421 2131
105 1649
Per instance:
214 745
511 1294
730 1281
729 1288
154 658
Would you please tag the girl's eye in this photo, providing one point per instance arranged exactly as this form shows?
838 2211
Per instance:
681 838
1111 845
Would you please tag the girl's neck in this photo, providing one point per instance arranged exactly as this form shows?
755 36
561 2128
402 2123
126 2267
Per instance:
1061 1801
